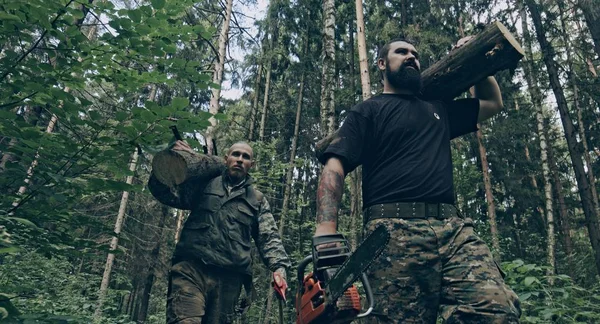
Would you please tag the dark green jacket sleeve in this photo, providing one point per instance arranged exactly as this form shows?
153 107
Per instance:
268 241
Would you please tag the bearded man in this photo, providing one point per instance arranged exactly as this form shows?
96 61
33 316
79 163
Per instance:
434 262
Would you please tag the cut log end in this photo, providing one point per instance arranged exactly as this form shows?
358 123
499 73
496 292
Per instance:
509 37
171 167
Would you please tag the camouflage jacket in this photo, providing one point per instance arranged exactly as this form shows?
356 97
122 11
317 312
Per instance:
222 224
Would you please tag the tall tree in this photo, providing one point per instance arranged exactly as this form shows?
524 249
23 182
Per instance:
591 12
218 75
291 162
536 99
114 242
575 150
328 75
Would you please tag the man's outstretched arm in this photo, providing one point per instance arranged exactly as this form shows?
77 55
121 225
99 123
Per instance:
329 195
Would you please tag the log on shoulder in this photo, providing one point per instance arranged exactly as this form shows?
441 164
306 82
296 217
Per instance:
173 168
493 49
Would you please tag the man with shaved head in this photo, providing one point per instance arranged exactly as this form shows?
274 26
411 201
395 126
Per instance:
212 260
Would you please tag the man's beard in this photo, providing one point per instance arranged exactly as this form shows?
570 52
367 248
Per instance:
405 78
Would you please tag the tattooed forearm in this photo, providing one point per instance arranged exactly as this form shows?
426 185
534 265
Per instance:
329 194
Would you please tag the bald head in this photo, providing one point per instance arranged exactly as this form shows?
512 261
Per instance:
241 144
239 161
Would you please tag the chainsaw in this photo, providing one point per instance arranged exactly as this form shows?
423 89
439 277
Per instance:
328 295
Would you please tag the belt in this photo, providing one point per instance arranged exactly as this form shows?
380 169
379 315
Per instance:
408 210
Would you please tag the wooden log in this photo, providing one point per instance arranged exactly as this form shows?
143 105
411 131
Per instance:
173 168
493 49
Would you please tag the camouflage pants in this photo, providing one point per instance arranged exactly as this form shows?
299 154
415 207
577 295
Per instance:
433 265
199 294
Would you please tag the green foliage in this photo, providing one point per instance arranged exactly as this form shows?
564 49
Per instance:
554 298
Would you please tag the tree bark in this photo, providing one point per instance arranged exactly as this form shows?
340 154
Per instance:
489 196
563 214
255 103
173 168
575 149
218 77
114 243
536 99
490 51
273 24
591 12
362 51
154 262
328 73
291 165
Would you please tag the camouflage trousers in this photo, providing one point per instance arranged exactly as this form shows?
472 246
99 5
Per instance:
433 265
200 294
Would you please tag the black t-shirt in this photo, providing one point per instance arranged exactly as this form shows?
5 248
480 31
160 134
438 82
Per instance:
403 144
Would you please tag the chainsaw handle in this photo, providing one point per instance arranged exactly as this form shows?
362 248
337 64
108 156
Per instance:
370 299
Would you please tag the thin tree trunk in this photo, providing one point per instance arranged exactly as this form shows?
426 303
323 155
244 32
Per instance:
536 99
491 206
354 176
218 77
255 102
547 195
365 80
575 149
328 73
154 262
290 171
34 163
563 214
114 243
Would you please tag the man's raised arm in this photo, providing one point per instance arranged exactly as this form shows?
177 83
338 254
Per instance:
329 195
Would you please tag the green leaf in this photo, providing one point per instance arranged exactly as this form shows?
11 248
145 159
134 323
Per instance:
7 114
158 4
530 280
143 29
148 116
180 102
4 16
121 116
135 15
9 250
23 221
220 116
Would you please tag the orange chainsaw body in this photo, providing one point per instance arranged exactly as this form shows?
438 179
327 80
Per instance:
312 307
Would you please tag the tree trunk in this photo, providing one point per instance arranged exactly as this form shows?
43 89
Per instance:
576 103
218 77
547 194
563 214
173 168
255 103
591 12
362 52
272 25
328 73
154 262
290 171
492 50
489 197
536 99
575 149
115 239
